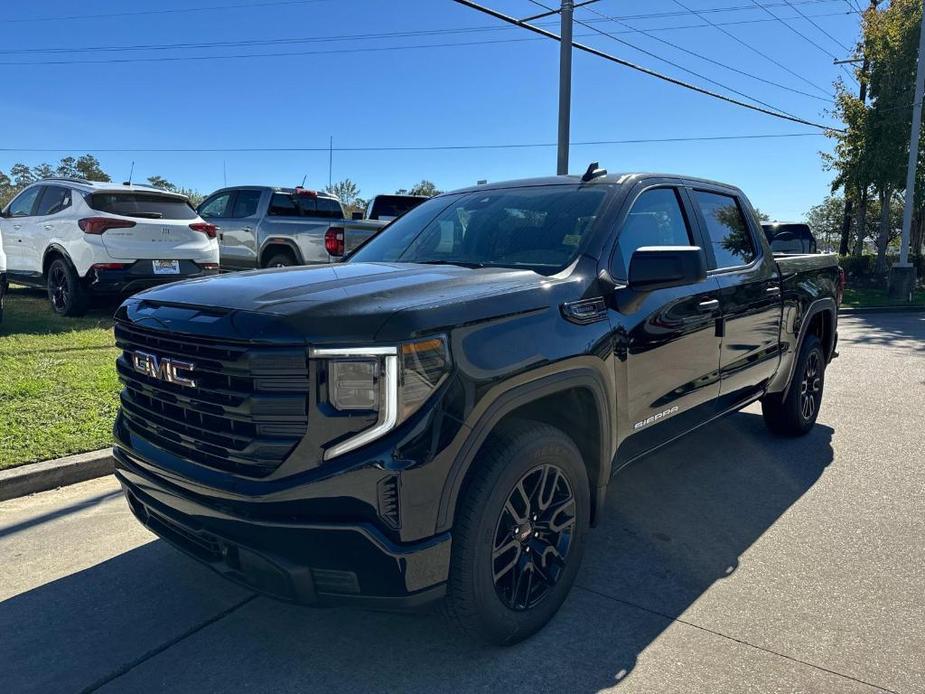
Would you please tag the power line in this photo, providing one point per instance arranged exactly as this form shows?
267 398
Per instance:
641 68
816 24
109 48
177 10
410 148
648 33
700 14
803 36
280 3
673 64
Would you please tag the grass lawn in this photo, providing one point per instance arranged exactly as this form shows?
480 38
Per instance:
58 385
877 297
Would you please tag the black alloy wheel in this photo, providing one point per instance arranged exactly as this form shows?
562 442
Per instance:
533 537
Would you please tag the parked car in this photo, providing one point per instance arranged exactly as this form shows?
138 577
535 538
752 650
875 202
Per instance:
78 238
261 226
789 237
3 281
381 210
439 416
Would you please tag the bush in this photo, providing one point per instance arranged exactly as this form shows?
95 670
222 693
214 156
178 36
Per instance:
860 269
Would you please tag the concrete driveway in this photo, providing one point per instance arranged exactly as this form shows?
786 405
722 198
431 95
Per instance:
732 561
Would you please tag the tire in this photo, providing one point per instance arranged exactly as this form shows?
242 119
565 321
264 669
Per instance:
488 538
65 290
795 414
280 259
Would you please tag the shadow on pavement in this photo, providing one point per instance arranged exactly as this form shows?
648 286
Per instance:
898 330
675 524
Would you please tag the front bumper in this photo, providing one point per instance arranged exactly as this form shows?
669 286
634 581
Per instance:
140 275
291 559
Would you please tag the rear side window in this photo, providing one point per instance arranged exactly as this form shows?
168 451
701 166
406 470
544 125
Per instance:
245 203
144 205
656 219
54 199
24 202
289 205
729 234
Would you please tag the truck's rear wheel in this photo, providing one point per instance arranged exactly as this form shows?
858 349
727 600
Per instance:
796 414
519 534
65 292
280 259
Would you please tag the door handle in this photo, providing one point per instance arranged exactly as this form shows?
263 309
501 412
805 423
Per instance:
247 228
49 227
709 305
773 290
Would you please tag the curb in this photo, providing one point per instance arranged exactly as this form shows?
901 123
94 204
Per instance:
848 311
40 477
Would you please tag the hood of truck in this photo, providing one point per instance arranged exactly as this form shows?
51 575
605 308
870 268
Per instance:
343 302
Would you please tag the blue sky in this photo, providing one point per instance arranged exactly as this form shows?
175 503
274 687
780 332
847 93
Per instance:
490 93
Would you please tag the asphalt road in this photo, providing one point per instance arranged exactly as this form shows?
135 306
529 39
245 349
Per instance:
731 562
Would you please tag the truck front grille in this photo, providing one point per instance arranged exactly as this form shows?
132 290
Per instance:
246 413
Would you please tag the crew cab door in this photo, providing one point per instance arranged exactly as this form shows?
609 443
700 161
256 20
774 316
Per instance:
235 213
749 292
665 339
19 232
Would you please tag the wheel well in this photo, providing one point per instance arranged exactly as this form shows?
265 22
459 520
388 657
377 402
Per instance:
572 411
820 325
274 248
50 257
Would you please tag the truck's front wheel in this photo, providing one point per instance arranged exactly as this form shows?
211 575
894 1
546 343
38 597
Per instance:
519 534
796 414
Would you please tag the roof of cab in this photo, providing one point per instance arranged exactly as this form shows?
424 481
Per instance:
607 179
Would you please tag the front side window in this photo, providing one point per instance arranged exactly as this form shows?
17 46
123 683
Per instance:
216 206
22 205
539 228
729 234
54 199
656 219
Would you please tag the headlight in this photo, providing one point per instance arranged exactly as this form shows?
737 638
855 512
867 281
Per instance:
392 381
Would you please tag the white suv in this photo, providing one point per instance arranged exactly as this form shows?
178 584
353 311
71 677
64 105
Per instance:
79 238
3 285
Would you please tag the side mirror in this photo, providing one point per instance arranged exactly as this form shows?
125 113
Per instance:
356 215
658 267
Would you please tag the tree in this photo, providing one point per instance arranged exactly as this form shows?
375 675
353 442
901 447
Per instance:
88 167
762 216
195 197
348 193
424 187
826 219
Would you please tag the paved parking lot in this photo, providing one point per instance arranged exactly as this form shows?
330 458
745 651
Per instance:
732 561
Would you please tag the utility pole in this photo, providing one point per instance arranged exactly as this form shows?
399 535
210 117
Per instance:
565 83
330 160
849 203
902 274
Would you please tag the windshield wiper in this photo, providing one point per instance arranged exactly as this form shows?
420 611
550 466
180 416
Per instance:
460 263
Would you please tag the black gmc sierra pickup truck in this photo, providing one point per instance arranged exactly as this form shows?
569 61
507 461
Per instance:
439 416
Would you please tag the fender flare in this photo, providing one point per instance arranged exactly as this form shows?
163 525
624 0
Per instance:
278 241
59 249
575 377
826 304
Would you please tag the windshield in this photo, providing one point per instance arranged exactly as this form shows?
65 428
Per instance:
537 228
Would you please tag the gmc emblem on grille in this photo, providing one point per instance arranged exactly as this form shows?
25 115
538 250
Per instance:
163 368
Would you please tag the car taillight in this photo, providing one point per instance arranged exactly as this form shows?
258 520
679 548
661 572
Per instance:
97 225
842 284
209 266
209 230
108 266
334 241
